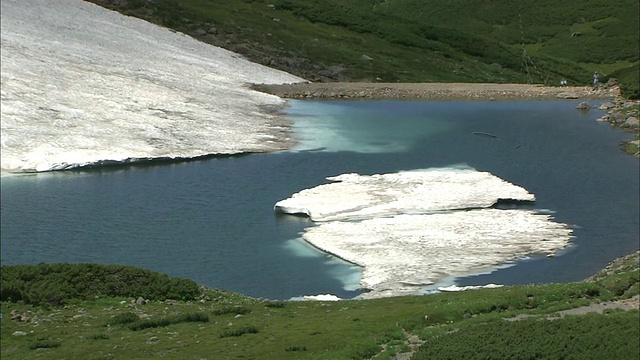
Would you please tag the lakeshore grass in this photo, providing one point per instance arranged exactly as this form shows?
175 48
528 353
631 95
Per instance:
224 325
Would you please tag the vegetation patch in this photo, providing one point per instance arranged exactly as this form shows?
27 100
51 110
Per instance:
248 329
295 348
388 41
169 320
237 310
45 344
124 318
275 304
470 324
536 339
54 284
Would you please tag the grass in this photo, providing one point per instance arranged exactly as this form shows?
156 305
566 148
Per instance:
462 41
229 326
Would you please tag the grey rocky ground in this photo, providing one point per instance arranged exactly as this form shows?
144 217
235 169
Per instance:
433 91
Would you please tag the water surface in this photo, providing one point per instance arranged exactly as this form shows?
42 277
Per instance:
213 221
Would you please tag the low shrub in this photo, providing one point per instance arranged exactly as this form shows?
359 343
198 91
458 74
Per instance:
123 318
238 310
45 344
296 348
170 320
275 304
249 329
571 337
55 284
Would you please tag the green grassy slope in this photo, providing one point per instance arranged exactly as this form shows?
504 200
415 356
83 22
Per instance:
418 41
105 324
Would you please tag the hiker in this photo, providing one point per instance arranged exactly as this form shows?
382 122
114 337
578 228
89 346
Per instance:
595 79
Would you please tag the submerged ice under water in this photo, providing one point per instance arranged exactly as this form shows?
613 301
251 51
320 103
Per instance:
213 221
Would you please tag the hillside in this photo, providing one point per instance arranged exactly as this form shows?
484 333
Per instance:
56 311
417 41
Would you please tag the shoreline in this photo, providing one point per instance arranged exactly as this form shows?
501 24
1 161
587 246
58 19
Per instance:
434 91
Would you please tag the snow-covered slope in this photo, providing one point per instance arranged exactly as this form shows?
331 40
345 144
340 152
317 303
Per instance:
85 85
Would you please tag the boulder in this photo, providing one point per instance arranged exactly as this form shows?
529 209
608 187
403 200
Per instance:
567 95
141 301
607 106
583 106
617 118
631 121
199 32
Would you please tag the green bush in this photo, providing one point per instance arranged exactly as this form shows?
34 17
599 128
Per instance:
45 344
248 329
53 284
574 337
296 348
124 318
628 79
170 320
238 310
275 304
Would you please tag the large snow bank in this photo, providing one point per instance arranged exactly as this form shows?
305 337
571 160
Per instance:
412 229
85 85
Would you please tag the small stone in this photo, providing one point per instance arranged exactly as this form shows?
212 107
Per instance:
607 106
19 333
583 106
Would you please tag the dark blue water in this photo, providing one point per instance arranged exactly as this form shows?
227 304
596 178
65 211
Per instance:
212 220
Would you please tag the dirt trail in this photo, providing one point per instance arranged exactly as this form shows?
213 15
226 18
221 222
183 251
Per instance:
434 91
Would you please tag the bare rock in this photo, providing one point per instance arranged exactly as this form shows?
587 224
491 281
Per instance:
617 118
607 106
583 106
631 121
200 32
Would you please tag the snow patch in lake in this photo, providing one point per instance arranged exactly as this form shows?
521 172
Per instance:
354 196
411 229
85 85
401 254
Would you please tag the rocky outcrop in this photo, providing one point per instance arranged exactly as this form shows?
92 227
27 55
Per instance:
624 114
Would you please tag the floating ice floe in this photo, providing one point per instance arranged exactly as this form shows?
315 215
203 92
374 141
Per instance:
320 297
406 235
354 196
455 288
85 85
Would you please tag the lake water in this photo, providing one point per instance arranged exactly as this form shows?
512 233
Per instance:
212 220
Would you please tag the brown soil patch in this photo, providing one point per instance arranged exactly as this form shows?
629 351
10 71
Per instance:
433 91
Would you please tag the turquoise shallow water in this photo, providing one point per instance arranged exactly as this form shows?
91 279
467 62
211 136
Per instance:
212 220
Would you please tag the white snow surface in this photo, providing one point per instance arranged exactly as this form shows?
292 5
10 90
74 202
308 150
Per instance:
354 196
408 230
401 254
85 85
